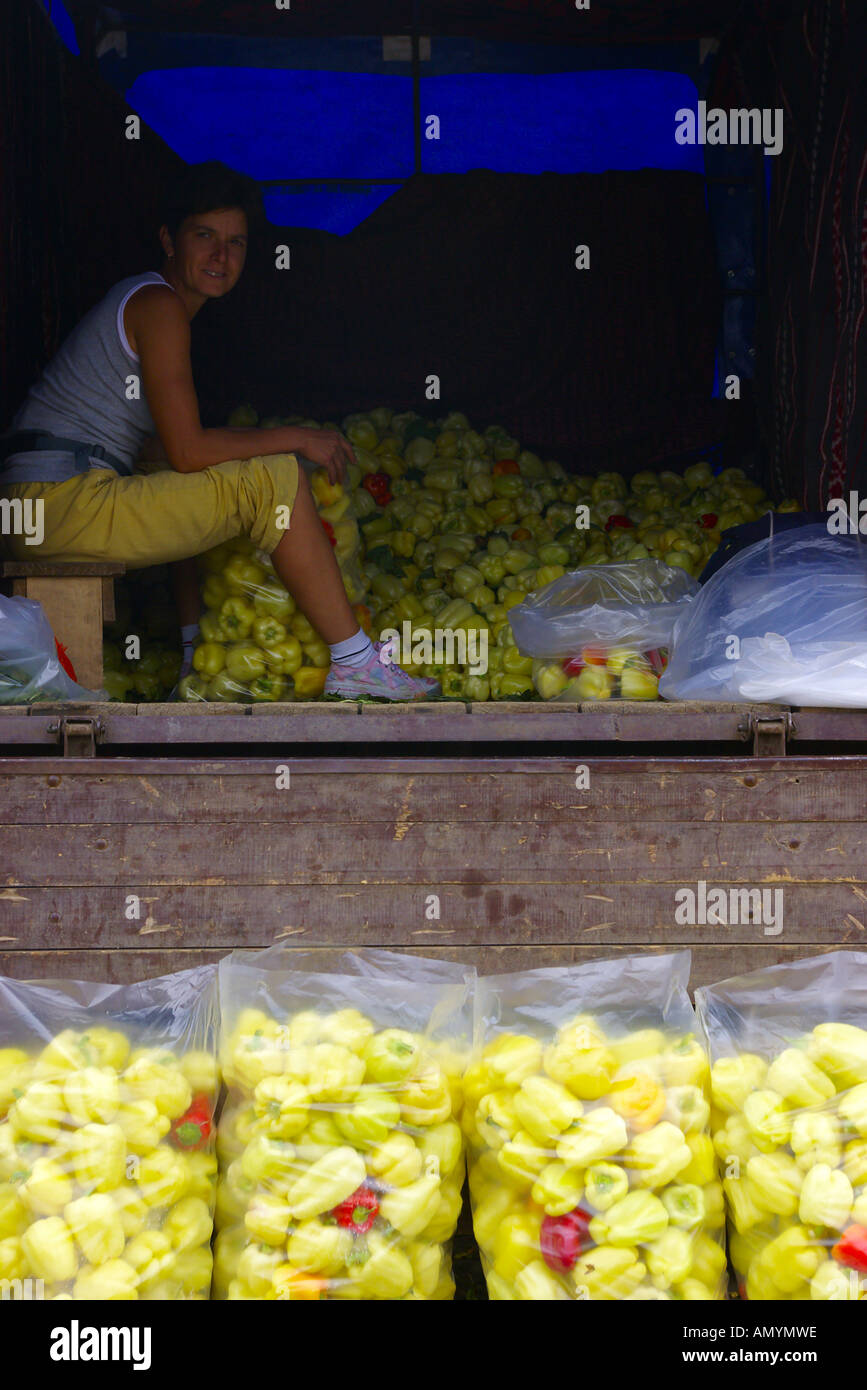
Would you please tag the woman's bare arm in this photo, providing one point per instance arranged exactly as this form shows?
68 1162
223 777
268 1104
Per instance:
162 337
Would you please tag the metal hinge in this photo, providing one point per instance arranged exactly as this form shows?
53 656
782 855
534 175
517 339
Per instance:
78 734
769 733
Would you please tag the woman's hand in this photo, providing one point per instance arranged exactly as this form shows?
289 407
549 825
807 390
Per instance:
330 449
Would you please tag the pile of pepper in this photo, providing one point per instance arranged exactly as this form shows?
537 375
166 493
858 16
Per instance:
107 1169
791 1136
255 645
592 1174
459 526
341 1160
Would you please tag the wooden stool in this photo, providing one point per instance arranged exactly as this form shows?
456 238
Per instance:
77 600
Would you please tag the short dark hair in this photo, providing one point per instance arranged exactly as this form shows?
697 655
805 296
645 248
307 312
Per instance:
207 188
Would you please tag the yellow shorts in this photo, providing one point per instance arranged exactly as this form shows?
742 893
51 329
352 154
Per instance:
155 517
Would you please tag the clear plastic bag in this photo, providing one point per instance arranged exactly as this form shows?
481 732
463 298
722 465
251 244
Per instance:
341 1155
601 673
592 1173
789 1085
107 1147
634 604
30 668
796 606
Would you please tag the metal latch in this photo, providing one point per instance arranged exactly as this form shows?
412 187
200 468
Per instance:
769 734
78 734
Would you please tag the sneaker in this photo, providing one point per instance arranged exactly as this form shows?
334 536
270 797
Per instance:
384 680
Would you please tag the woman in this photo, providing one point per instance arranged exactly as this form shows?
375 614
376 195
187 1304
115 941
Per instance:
124 374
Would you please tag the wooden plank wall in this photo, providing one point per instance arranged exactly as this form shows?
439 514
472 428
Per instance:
528 869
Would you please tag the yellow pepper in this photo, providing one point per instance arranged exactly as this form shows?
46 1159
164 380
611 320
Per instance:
49 1250
798 1080
852 1109
489 1209
658 1155
347 1028
593 1137
441 1226
826 1197
516 1244
545 1108
426 1261
444 1142
386 1272
791 1258
638 1099
319 1249
743 1207
686 1107
733 1078
702 1167
633 1220
521 1159
327 1183
425 1098
536 1283
189 1223
92 1093
775 1182
309 681
495 1119
147 1078
39 1113
255 1270
282 1107
815 1138
13 1214
201 1171
581 1062
161 1177
150 1255
511 1058
606 1183
608 1273
99 1156
142 1124
116 1282
268 1219
685 1063
708 1260
132 1209
840 1050
558 1189
669 1257
47 1189
768 1119
267 1160
410 1208
96 1226
398 1160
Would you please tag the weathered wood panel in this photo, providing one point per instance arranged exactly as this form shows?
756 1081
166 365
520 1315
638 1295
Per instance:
415 790
709 963
480 915
500 851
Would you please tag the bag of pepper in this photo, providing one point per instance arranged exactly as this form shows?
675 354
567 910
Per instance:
341 1155
789 1087
255 645
592 1173
107 1163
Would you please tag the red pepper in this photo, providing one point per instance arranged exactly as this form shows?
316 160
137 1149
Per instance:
358 1212
379 487
329 530
851 1248
504 466
63 658
617 519
709 520
573 666
193 1129
564 1238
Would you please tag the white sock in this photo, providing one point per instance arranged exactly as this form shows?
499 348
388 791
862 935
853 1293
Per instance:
352 651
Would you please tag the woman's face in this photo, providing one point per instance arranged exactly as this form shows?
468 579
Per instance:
209 251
